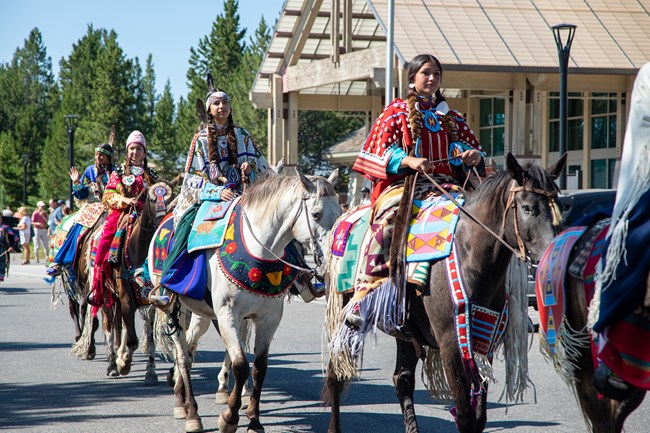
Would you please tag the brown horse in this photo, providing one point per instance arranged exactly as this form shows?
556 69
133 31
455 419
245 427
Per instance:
127 293
602 415
520 205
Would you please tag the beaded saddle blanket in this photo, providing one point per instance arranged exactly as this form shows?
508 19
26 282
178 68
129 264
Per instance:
209 226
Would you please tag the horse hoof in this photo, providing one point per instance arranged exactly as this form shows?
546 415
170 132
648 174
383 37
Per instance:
151 379
112 372
225 428
255 426
193 425
180 412
221 397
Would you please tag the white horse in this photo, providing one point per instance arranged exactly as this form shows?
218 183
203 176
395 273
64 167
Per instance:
275 211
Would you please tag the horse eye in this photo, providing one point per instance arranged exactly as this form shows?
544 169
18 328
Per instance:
315 215
527 209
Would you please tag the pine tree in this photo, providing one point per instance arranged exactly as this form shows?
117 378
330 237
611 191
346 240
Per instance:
26 108
244 113
164 142
145 120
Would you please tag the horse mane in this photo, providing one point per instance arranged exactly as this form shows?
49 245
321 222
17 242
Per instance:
494 189
272 189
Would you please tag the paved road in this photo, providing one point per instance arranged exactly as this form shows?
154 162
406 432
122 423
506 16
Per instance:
44 390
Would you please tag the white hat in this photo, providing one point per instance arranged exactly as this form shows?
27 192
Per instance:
40 203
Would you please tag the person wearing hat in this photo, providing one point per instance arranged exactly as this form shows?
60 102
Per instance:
39 222
95 177
365 196
120 196
86 187
222 158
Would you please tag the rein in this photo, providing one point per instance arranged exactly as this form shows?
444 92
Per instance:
315 248
514 189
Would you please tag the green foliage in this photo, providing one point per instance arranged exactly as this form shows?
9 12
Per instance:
164 143
317 132
26 107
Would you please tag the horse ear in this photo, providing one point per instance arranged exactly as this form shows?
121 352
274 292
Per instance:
200 110
279 166
514 169
308 184
333 177
555 170
111 136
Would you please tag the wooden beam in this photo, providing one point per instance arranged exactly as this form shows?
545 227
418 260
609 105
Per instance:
335 36
337 103
302 28
325 36
355 15
354 66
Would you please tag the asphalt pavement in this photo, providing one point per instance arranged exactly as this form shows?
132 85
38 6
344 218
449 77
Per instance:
43 389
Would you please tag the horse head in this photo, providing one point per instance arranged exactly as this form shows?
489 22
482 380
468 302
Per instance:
532 201
321 209
286 208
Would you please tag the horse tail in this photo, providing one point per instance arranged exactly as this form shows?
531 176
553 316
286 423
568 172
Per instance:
81 348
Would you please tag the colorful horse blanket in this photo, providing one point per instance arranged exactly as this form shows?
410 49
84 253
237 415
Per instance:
549 287
430 237
163 243
257 275
209 226
61 233
90 213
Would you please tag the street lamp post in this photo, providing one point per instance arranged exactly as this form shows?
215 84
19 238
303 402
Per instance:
25 162
71 123
563 34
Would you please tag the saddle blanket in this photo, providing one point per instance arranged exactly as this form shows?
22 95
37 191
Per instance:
262 277
431 229
61 233
209 227
163 242
549 284
90 213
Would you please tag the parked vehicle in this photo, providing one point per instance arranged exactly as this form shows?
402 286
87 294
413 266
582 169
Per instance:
576 204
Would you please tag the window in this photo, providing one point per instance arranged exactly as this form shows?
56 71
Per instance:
492 130
602 173
575 121
603 120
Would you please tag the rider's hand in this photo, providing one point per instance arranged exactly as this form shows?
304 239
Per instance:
471 158
74 175
246 168
418 164
228 194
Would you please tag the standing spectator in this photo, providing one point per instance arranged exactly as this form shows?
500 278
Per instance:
7 212
25 228
39 221
365 196
56 215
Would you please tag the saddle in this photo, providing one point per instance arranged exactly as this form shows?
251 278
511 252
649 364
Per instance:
209 227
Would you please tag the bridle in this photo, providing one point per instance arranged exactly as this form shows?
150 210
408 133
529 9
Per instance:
510 203
316 250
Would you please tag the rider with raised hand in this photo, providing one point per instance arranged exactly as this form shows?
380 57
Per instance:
89 186
419 134
222 158
124 186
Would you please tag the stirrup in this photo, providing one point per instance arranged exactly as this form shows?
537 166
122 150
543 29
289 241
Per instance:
610 386
353 319
164 302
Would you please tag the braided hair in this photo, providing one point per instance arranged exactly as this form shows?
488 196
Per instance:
213 151
414 115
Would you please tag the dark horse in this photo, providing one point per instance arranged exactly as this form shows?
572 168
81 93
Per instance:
602 415
520 205
119 320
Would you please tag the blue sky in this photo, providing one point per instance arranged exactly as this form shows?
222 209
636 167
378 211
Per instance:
166 29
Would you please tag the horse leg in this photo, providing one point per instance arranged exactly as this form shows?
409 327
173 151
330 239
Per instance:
221 397
185 405
404 381
229 418
459 384
264 330
110 331
332 395
129 340
623 409
74 309
150 377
